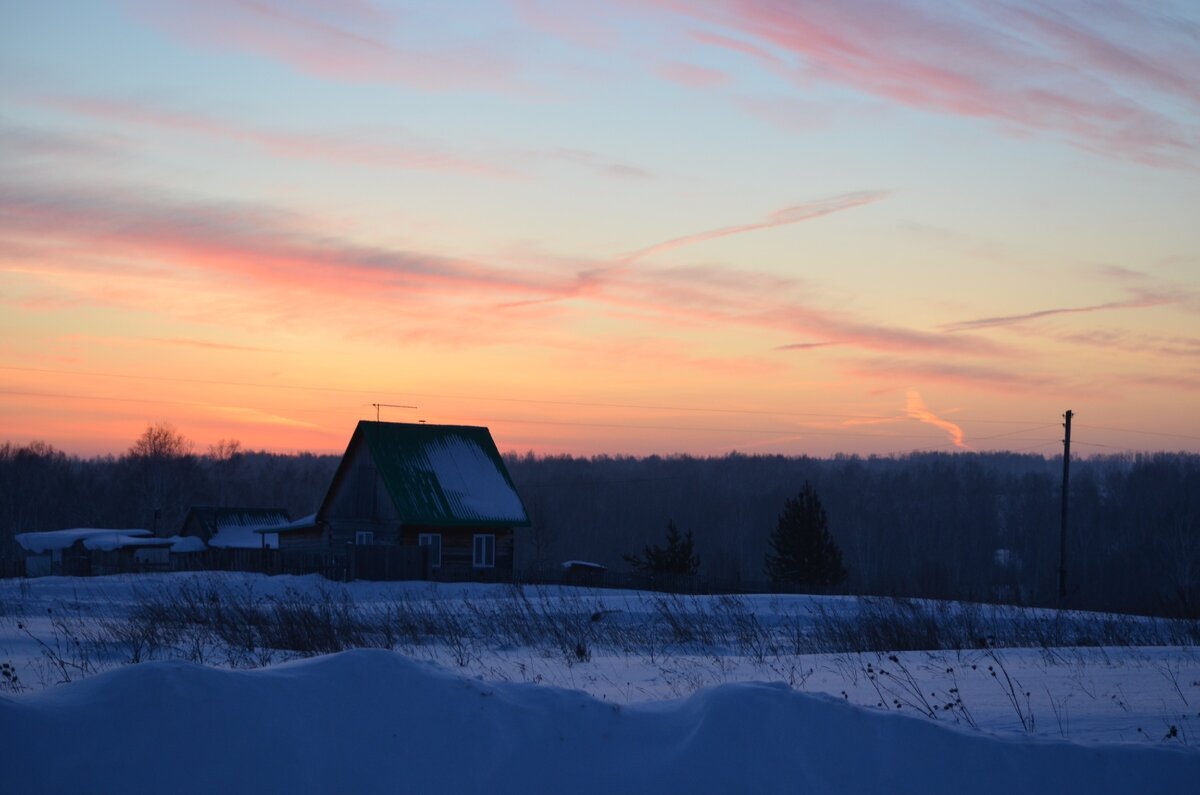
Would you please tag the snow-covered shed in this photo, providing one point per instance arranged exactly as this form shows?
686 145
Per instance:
413 485
70 552
234 528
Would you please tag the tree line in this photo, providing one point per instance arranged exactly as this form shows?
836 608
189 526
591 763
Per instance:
981 526
962 526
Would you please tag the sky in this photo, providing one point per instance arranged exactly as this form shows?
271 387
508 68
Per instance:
867 227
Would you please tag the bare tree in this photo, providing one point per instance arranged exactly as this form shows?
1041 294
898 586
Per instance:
160 457
161 440
223 458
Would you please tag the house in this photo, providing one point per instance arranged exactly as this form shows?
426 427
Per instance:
234 528
417 500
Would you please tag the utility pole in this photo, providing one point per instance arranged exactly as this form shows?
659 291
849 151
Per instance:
1066 483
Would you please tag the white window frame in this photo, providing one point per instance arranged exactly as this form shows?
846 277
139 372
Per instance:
427 540
364 538
483 551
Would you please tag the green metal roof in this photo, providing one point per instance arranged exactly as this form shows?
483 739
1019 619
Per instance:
443 474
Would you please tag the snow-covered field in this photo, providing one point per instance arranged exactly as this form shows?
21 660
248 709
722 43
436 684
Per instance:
561 689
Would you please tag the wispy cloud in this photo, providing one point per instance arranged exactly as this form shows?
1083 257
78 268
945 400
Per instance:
1120 340
788 215
242 241
299 266
217 346
691 75
348 41
592 161
20 142
1104 77
805 346
1118 273
1141 302
388 149
916 409
960 371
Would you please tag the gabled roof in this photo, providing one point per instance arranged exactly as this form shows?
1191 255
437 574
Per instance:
449 475
212 519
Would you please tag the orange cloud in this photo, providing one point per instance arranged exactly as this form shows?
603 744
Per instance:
917 410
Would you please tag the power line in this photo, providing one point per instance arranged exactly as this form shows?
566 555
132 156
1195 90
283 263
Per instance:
532 401
1109 446
535 401
1146 433
516 421
195 403
772 431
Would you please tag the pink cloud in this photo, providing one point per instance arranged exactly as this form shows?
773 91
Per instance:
302 268
241 241
691 75
21 142
1071 70
761 54
962 373
805 346
583 158
356 41
1140 302
338 148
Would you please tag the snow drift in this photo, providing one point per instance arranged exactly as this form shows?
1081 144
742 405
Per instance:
374 721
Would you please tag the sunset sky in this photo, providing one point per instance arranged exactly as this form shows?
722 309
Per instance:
636 227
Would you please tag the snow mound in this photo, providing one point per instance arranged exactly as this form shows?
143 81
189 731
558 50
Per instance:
373 721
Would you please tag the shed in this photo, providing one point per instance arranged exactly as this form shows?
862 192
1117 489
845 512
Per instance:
69 552
233 528
411 485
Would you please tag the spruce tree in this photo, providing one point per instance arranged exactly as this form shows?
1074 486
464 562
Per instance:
801 550
677 557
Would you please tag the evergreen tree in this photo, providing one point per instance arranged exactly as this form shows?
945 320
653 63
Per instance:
677 557
801 550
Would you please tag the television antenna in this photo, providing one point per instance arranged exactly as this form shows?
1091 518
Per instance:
378 406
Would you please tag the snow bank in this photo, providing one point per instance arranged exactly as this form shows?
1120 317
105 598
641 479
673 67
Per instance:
373 721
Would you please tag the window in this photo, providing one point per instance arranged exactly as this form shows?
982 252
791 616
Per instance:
434 541
364 538
485 551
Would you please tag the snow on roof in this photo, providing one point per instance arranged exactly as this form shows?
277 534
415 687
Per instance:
295 524
448 475
206 521
470 478
61 539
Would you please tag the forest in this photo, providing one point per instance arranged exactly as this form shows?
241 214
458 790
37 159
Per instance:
976 526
